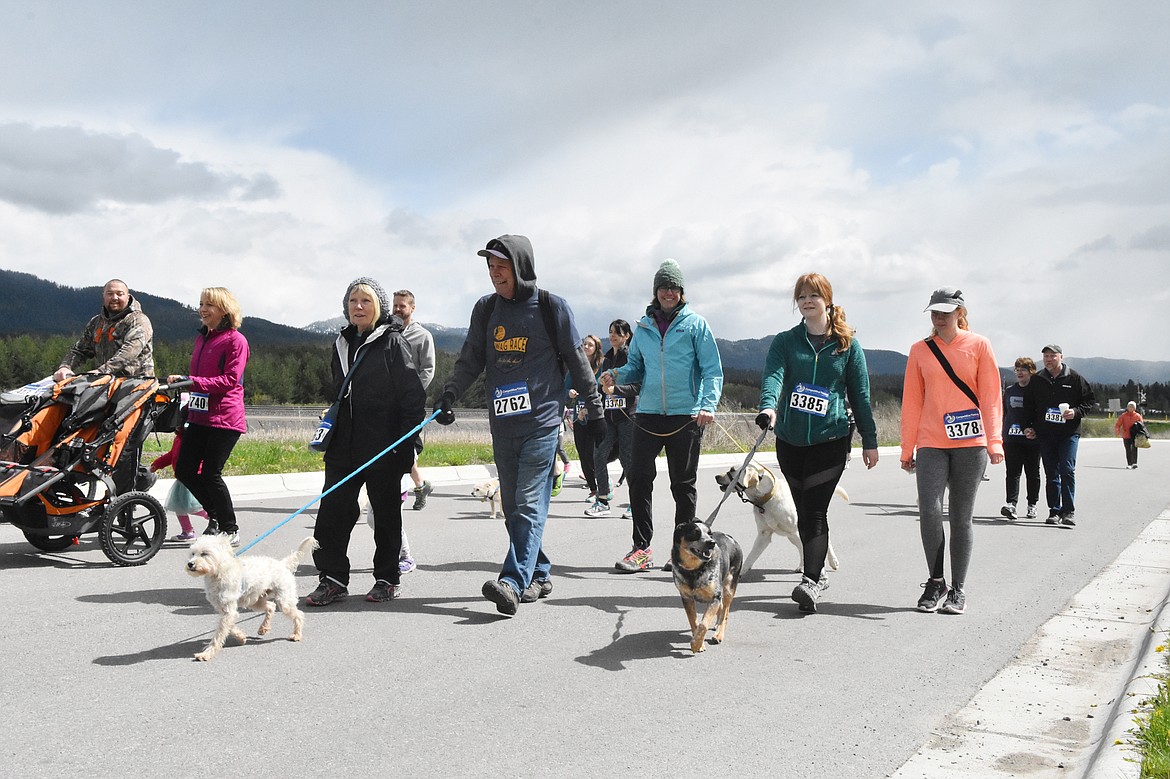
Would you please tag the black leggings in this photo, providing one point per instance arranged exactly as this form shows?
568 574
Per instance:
202 456
812 473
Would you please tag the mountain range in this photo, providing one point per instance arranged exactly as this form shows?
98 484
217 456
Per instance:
35 306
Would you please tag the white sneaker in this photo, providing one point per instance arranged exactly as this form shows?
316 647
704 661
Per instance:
598 509
627 513
1009 510
1031 511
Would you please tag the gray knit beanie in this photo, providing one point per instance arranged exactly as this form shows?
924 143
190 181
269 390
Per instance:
384 308
668 275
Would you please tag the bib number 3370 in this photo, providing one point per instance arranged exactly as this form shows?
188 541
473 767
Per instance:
511 400
961 425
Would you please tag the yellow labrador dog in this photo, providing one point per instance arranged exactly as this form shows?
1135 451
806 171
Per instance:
775 512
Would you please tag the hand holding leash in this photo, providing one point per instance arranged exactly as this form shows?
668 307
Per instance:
738 473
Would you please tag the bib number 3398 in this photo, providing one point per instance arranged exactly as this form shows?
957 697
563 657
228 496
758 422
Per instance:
511 400
961 425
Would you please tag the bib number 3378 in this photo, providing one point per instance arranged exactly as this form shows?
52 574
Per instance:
961 425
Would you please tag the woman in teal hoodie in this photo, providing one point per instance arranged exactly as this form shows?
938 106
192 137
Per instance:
674 356
810 373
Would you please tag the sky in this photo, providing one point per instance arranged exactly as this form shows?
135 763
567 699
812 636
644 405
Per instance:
1017 151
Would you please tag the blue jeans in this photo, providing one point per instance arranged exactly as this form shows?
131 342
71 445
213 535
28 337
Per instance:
1059 454
524 467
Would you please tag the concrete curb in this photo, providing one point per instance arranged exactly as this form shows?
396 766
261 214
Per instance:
1063 704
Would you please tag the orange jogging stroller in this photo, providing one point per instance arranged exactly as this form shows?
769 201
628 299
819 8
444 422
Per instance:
69 463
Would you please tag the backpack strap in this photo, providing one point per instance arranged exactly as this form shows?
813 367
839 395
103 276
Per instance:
951 372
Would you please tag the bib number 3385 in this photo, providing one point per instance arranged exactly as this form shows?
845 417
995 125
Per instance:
810 399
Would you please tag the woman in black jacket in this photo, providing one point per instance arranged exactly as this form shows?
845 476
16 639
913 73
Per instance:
621 401
383 402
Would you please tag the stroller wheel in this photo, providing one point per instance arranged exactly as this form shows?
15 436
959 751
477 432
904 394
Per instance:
49 543
133 528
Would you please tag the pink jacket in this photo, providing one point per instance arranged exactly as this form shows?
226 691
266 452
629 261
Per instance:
217 370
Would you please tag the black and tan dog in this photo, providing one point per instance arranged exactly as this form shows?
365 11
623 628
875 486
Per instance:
706 566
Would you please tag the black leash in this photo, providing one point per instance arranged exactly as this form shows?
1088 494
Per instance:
735 479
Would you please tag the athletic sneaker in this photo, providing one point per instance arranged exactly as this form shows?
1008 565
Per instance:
636 560
327 592
420 495
1031 511
1053 518
598 509
501 594
807 593
1009 510
406 564
536 590
212 528
627 513
384 591
558 483
591 497
1067 519
233 537
667 566
186 535
934 594
956 602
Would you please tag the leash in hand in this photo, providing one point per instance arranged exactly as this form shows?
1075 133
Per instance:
739 472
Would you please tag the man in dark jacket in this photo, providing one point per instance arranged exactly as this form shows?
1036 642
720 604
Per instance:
1055 400
522 339
119 340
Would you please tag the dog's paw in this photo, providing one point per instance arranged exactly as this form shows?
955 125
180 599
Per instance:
697 647
295 637
204 656
264 628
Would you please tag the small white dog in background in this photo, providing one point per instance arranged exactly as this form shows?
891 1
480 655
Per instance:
775 511
232 583
488 492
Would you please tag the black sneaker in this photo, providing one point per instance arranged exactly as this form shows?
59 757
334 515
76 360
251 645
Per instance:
933 596
501 594
667 566
212 528
1067 519
144 479
327 592
807 593
536 590
1053 518
384 591
956 602
420 495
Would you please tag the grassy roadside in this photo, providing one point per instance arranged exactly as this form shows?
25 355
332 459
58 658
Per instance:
1151 734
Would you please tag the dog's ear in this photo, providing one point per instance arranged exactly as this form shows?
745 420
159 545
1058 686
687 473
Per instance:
750 476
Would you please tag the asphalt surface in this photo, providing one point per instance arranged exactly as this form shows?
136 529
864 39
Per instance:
599 678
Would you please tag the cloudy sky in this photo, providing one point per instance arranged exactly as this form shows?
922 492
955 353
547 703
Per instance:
1018 151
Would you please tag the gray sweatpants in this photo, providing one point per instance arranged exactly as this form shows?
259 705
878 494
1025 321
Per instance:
960 471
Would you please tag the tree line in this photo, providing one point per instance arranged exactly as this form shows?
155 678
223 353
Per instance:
300 375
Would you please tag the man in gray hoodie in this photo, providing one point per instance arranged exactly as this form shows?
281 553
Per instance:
523 340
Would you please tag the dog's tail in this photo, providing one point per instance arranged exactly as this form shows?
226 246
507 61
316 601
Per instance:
841 493
293 560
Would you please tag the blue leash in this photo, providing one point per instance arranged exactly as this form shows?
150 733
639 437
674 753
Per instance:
367 464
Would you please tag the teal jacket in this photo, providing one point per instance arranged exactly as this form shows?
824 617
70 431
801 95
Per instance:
680 371
792 360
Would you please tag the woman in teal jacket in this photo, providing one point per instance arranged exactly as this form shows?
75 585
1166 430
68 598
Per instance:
810 373
674 357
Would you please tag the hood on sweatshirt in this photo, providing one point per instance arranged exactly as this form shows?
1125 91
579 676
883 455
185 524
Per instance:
518 250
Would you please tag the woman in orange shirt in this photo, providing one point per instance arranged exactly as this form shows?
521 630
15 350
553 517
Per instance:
1124 428
951 423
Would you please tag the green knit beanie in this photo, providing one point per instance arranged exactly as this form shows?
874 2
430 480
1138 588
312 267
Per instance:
668 275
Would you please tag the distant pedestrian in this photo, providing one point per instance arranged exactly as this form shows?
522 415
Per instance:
814 374
422 351
1124 428
951 416
1020 453
583 438
1056 400
621 402
673 355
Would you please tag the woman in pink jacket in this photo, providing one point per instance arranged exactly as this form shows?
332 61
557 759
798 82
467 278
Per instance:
1124 428
215 413
952 411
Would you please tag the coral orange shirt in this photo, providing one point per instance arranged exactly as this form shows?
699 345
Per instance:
936 414
1125 422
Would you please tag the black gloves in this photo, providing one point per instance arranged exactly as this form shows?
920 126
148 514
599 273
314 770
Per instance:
763 421
599 427
443 406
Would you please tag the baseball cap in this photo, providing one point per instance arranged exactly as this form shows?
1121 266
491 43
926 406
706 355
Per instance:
1052 348
945 300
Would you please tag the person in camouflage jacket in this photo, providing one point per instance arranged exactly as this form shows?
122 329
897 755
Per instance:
119 340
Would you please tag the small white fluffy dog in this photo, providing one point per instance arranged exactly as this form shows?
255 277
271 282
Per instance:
255 582
488 492
775 511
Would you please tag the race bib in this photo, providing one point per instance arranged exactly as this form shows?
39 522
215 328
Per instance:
1015 430
614 402
961 425
1055 416
198 402
810 399
511 400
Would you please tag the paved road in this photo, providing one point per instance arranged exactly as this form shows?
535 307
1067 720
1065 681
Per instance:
597 679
